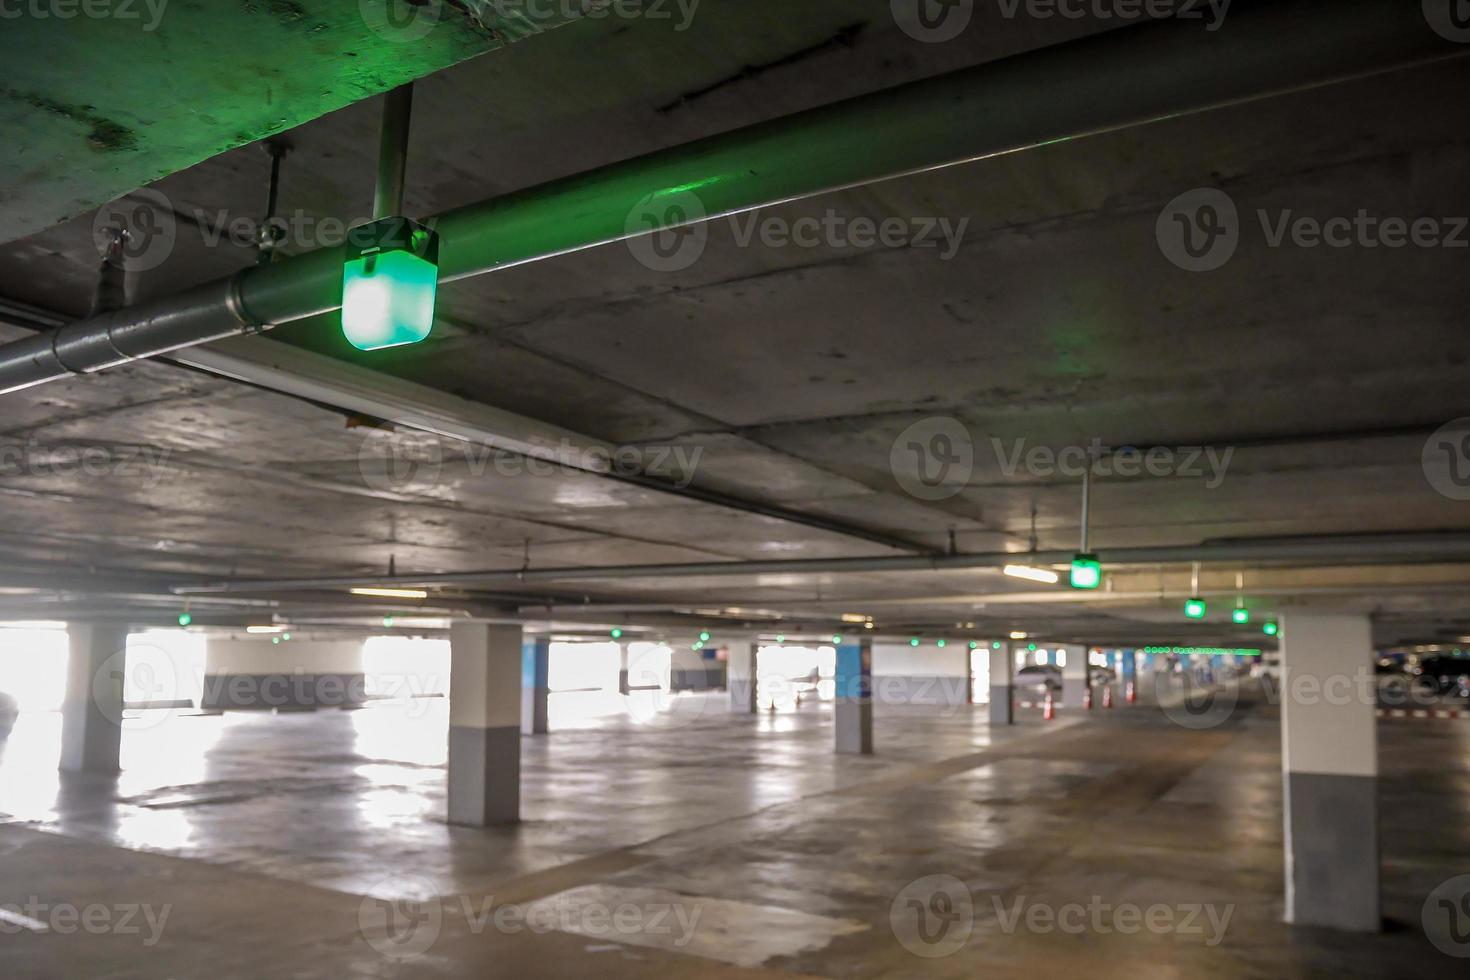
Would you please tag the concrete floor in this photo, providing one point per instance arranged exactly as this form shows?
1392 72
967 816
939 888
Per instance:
703 844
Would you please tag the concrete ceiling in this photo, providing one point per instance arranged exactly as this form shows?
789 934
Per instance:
792 371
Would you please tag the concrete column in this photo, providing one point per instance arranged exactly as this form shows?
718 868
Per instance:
853 710
484 724
535 684
1329 761
623 687
1002 684
91 712
1074 677
742 675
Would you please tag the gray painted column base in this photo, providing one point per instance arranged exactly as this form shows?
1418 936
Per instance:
854 726
742 695
484 776
533 710
1332 851
1002 706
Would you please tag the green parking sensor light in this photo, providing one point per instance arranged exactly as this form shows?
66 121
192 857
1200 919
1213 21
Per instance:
1086 572
1195 608
389 283
1270 629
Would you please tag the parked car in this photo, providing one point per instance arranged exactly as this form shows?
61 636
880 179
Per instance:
9 711
1446 676
1038 678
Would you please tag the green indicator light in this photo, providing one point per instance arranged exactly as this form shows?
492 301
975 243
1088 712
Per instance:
617 634
389 282
1241 615
914 642
1270 629
1086 572
185 619
1195 608
703 636
939 643
387 620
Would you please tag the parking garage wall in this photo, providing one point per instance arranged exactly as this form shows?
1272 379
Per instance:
305 673
927 674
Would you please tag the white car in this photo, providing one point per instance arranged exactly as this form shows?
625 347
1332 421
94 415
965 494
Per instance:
9 711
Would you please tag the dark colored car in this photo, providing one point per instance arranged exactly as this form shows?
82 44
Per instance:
9 711
1449 675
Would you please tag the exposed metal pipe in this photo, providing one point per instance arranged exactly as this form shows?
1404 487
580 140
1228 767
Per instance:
1103 83
393 152
1363 549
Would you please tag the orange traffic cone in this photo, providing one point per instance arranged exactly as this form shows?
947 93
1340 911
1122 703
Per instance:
1049 707
1108 696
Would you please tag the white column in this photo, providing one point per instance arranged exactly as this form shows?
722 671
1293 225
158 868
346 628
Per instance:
853 708
1329 761
1002 684
484 724
1074 677
91 712
741 676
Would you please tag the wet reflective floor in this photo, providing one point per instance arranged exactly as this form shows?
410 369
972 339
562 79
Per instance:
676 839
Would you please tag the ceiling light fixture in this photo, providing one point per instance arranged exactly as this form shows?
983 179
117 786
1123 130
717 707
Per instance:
391 274
1045 575
392 593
